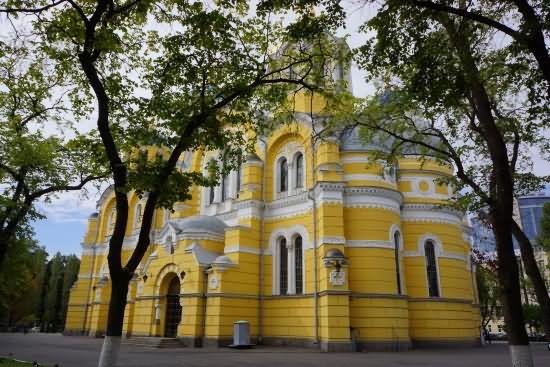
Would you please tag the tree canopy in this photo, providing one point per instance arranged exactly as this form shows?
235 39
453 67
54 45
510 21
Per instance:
41 151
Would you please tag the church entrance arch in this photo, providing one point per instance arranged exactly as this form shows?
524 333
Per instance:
172 315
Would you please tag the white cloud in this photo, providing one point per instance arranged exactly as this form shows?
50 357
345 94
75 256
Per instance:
70 207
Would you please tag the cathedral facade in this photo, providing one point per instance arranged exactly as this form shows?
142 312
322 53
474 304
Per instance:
312 243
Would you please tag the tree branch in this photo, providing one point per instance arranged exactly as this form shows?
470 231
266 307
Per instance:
56 188
470 15
31 10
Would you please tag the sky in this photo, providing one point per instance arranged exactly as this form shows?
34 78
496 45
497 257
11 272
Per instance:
65 225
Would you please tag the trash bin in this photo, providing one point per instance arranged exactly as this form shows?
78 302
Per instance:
241 333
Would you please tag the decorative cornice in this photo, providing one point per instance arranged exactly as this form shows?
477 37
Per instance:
144 298
329 186
372 197
231 249
379 295
231 295
364 177
335 240
288 201
355 159
370 244
374 191
209 236
441 299
430 213
330 292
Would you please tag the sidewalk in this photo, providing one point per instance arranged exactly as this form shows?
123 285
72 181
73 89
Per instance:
69 351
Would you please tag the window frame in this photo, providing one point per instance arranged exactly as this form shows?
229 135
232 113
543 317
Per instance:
298 265
397 238
282 175
283 271
299 174
434 272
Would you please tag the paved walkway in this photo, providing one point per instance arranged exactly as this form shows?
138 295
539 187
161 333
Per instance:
74 351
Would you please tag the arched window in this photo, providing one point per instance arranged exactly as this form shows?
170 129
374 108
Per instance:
396 238
225 188
431 269
211 195
298 265
238 184
283 267
299 170
283 175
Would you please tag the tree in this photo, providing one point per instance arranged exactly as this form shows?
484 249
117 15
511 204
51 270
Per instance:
528 32
35 165
208 67
487 288
21 280
533 315
53 284
61 273
525 24
452 95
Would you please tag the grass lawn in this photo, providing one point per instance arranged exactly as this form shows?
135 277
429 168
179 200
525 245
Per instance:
4 362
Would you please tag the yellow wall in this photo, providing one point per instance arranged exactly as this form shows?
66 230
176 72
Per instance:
366 308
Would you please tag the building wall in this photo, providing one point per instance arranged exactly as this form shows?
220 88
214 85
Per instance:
350 202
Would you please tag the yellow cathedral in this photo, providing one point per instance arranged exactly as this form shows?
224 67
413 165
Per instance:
313 244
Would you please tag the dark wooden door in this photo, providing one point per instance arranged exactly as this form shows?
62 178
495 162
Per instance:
173 309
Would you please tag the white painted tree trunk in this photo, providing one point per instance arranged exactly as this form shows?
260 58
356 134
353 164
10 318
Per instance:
109 351
521 356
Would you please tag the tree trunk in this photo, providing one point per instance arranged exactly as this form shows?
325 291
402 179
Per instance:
4 239
115 320
533 273
501 208
508 276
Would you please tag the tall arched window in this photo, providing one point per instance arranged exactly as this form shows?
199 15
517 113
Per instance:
225 188
238 184
299 170
298 265
283 267
211 195
283 175
431 269
396 238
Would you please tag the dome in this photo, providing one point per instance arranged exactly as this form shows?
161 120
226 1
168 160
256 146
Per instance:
350 140
334 253
201 223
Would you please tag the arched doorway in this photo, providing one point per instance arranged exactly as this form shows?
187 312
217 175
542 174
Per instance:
173 309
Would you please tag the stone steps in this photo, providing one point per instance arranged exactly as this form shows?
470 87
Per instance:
152 342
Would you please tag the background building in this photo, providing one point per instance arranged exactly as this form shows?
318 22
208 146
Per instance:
483 238
530 211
